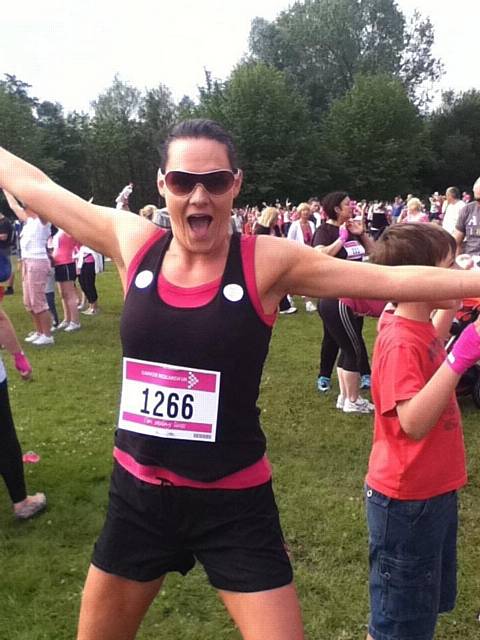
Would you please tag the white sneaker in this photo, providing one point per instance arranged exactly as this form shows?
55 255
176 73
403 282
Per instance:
289 310
359 406
63 325
43 340
33 335
340 401
73 326
310 307
92 312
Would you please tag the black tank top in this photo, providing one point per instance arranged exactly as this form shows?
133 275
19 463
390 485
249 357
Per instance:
223 335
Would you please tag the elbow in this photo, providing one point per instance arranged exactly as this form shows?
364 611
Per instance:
414 430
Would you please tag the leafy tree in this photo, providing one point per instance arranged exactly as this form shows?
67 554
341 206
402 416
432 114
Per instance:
127 128
455 138
374 139
186 108
323 44
275 136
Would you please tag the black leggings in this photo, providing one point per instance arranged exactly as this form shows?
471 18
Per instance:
342 330
87 281
11 464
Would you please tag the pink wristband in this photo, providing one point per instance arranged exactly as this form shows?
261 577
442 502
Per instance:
22 365
343 234
465 352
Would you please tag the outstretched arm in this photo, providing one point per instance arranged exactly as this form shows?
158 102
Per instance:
98 227
297 269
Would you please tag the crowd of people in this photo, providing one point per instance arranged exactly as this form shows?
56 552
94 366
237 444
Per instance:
191 479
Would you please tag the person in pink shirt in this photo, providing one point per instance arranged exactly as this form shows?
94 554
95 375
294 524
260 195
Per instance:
64 249
414 212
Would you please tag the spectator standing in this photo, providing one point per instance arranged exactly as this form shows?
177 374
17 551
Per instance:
7 235
397 208
267 225
11 463
301 231
414 212
89 263
467 230
64 249
35 270
451 209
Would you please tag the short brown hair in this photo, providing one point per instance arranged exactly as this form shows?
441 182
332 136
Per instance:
413 243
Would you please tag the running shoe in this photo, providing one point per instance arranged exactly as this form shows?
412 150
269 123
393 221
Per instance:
73 326
359 406
285 312
30 506
340 402
43 341
310 307
365 381
62 325
93 312
32 336
323 384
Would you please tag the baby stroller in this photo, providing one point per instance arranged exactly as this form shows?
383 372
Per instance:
470 381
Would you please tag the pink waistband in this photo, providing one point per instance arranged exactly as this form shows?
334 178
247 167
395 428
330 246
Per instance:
253 476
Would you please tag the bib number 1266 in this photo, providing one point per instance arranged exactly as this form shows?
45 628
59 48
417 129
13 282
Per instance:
170 405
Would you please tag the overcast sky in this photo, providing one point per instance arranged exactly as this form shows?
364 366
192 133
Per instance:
69 51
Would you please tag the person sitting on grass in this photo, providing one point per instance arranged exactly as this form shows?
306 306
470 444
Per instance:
417 461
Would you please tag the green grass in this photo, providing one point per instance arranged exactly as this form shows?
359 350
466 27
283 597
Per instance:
67 415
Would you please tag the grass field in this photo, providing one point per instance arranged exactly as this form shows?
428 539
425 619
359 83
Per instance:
319 456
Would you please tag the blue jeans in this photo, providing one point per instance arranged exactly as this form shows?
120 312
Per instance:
412 551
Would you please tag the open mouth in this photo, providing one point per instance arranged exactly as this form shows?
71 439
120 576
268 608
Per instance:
199 223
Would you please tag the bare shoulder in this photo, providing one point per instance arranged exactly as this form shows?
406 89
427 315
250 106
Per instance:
279 254
132 232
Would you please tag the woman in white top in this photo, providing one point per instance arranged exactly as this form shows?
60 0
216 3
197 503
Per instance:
302 231
35 271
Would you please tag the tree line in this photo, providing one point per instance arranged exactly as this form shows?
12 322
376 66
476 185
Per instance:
332 94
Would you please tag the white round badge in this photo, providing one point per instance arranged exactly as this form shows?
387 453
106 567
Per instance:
143 279
233 292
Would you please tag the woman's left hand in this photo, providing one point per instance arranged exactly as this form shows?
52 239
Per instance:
355 227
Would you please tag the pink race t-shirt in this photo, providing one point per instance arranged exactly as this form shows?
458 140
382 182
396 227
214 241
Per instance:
64 246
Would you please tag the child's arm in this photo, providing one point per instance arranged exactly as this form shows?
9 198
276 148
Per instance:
442 321
419 414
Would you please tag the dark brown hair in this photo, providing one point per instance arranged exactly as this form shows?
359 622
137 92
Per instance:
332 200
413 243
200 128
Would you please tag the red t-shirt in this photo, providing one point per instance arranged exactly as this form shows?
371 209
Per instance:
406 355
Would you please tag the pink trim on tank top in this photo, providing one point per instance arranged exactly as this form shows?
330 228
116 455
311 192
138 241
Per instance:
253 476
199 296
247 247
138 257
187 297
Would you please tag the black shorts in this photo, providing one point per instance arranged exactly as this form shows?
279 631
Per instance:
151 530
65 272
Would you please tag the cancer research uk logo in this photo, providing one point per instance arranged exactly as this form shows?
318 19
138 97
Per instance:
192 380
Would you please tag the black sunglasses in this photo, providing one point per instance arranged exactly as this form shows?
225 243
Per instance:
182 183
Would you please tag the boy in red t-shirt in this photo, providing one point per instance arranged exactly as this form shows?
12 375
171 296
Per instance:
417 462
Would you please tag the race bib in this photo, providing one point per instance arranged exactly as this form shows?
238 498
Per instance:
355 250
167 401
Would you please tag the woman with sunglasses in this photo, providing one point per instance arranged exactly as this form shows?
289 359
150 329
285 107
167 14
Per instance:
191 480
